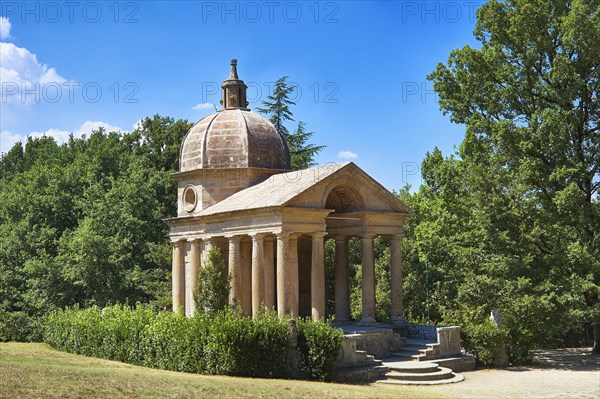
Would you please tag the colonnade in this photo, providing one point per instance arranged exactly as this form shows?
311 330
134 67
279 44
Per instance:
261 280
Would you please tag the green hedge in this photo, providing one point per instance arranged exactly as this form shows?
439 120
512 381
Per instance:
319 345
221 343
485 339
19 326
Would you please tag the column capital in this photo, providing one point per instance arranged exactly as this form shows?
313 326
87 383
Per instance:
258 236
178 241
367 236
283 235
318 234
270 237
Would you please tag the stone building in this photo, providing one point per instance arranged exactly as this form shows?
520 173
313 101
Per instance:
236 192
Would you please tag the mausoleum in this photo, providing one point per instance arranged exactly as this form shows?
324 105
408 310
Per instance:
236 192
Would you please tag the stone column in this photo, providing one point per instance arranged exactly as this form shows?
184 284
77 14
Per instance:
192 269
293 282
208 245
317 277
235 272
342 293
368 280
396 271
246 302
269 269
258 274
178 275
283 303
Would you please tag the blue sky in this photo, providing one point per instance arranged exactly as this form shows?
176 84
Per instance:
360 68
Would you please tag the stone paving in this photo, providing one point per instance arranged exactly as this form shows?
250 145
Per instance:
557 373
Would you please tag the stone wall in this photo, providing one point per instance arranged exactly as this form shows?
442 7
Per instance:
422 331
379 343
448 339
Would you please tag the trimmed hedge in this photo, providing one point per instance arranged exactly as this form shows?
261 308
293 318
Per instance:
219 343
319 345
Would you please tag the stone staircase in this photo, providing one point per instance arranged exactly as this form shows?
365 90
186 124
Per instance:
410 372
422 351
356 365
404 361
418 350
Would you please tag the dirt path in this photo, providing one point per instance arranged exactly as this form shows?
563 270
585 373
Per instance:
558 373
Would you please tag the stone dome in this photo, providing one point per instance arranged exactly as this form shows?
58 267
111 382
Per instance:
234 138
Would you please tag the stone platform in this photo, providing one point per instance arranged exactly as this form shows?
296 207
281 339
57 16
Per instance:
381 350
418 373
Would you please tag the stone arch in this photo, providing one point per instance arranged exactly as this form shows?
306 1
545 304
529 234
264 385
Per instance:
342 197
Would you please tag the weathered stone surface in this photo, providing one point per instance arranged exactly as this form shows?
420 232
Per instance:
449 340
233 138
379 342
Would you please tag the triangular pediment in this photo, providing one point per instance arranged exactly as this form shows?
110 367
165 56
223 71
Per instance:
309 188
348 188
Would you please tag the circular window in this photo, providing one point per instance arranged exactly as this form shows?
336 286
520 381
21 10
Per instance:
189 198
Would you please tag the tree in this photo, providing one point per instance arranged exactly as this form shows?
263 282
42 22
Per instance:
277 107
302 153
82 223
213 286
530 161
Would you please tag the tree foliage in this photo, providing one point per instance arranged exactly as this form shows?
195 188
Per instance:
81 222
510 221
277 106
213 286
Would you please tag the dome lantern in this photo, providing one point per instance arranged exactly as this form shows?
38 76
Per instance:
234 137
234 90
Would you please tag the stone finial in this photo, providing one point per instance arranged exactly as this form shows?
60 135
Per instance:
233 73
234 90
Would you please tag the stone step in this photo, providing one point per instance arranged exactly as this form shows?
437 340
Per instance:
460 363
417 351
441 373
411 367
366 358
420 342
414 346
409 355
454 379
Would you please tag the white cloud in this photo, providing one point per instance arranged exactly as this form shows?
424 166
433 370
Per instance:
20 69
8 139
60 136
347 155
88 126
203 106
138 125
4 28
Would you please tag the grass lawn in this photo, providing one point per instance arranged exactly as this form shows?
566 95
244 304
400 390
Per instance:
37 371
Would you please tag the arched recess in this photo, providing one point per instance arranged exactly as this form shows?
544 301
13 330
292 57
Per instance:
344 198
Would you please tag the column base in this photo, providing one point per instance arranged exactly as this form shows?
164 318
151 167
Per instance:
368 320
